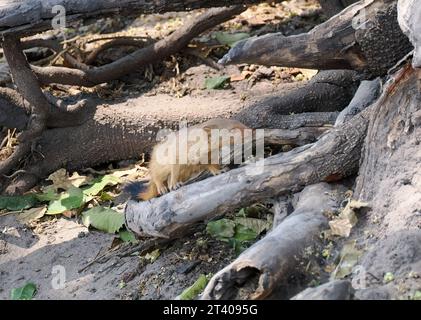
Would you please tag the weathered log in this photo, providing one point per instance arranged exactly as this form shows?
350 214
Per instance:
334 156
367 92
327 91
33 16
280 252
409 18
365 37
332 290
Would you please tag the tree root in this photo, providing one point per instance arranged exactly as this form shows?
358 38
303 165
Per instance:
155 52
280 252
349 45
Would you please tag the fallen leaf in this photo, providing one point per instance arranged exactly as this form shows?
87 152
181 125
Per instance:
349 257
48 194
257 225
24 293
73 198
103 219
16 203
61 180
100 183
127 236
216 82
342 225
31 214
239 77
195 289
222 229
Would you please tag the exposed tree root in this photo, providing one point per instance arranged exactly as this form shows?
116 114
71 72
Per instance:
154 52
280 252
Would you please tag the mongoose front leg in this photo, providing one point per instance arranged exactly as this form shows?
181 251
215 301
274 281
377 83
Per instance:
174 182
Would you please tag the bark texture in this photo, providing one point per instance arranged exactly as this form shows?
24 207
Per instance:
281 251
365 37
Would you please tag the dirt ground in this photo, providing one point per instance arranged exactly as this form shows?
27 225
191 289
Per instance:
32 253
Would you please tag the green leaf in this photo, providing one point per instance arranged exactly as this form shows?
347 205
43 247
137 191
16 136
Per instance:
16 203
243 233
216 82
47 195
100 183
71 199
348 259
103 219
196 288
254 224
24 293
230 39
222 229
127 236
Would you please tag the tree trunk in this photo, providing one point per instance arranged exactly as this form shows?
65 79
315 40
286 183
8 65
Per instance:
390 181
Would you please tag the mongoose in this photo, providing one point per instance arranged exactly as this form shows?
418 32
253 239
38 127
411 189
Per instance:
166 176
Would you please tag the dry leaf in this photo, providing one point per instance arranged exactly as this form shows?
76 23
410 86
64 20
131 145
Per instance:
61 180
347 219
239 77
31 214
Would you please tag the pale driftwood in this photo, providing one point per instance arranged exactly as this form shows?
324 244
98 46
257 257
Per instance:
367 93
332 157
349 44
409 18
280 252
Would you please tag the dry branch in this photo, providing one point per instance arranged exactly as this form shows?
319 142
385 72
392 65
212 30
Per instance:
349 45
280 252
155 52
334 156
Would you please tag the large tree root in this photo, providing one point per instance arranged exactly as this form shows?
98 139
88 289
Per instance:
332 157
280 252
390 181
349 45
155 52
328 91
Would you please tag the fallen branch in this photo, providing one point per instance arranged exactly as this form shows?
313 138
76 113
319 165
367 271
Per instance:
155 52
279 253
349 45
